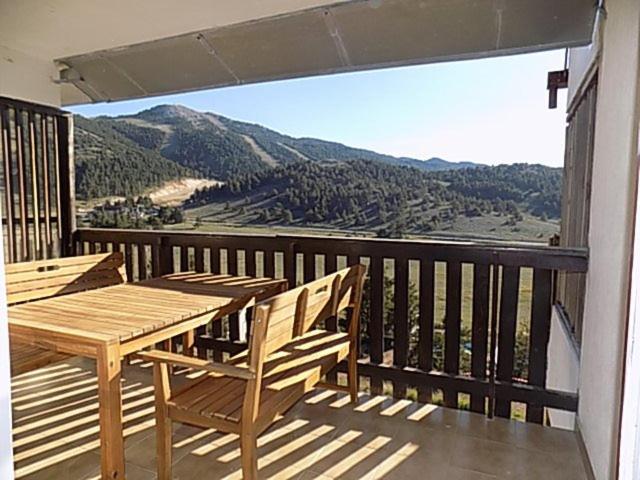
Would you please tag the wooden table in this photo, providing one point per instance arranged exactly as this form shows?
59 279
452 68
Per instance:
109 323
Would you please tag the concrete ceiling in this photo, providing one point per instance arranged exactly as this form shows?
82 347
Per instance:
49 29
154 47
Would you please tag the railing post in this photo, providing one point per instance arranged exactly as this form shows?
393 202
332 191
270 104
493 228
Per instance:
290 263
494 334
400 320
165 256
540 331
67 214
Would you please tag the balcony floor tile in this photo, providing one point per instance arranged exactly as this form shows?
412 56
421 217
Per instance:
322 437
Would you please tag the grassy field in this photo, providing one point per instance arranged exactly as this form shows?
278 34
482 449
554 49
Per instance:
218 216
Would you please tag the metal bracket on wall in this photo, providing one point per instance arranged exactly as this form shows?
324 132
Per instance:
555 81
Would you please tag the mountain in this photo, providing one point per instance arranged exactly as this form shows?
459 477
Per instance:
438 164
284 149
127 155
277 180
108 163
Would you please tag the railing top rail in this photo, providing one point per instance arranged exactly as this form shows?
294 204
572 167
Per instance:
32 107
527 255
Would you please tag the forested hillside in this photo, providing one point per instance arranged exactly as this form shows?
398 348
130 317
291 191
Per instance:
392 200
536 187
108 163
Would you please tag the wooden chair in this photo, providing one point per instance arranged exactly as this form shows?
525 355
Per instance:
32 281
287 357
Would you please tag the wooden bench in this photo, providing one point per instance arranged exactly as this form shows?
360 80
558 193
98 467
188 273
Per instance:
287 358
32 281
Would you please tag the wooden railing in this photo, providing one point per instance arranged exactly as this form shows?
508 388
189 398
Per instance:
36 181
464 324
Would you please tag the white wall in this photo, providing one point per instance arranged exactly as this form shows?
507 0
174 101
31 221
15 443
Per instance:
25 78
614 173
583 61
28 78
564 369
629 458
6 450
580 62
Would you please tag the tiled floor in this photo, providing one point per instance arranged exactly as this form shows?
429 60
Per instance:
324 436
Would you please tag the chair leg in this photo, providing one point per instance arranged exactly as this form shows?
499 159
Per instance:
188 341
163 421
163 445
352 376
249 453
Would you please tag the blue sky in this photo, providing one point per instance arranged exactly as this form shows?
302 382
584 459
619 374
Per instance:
489 111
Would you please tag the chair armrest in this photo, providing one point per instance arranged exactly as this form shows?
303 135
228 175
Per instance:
197 363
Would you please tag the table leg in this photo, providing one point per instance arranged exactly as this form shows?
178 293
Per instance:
167 346
109 393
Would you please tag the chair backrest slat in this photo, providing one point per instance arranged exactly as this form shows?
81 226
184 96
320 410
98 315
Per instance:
31 281
279 320
295 312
